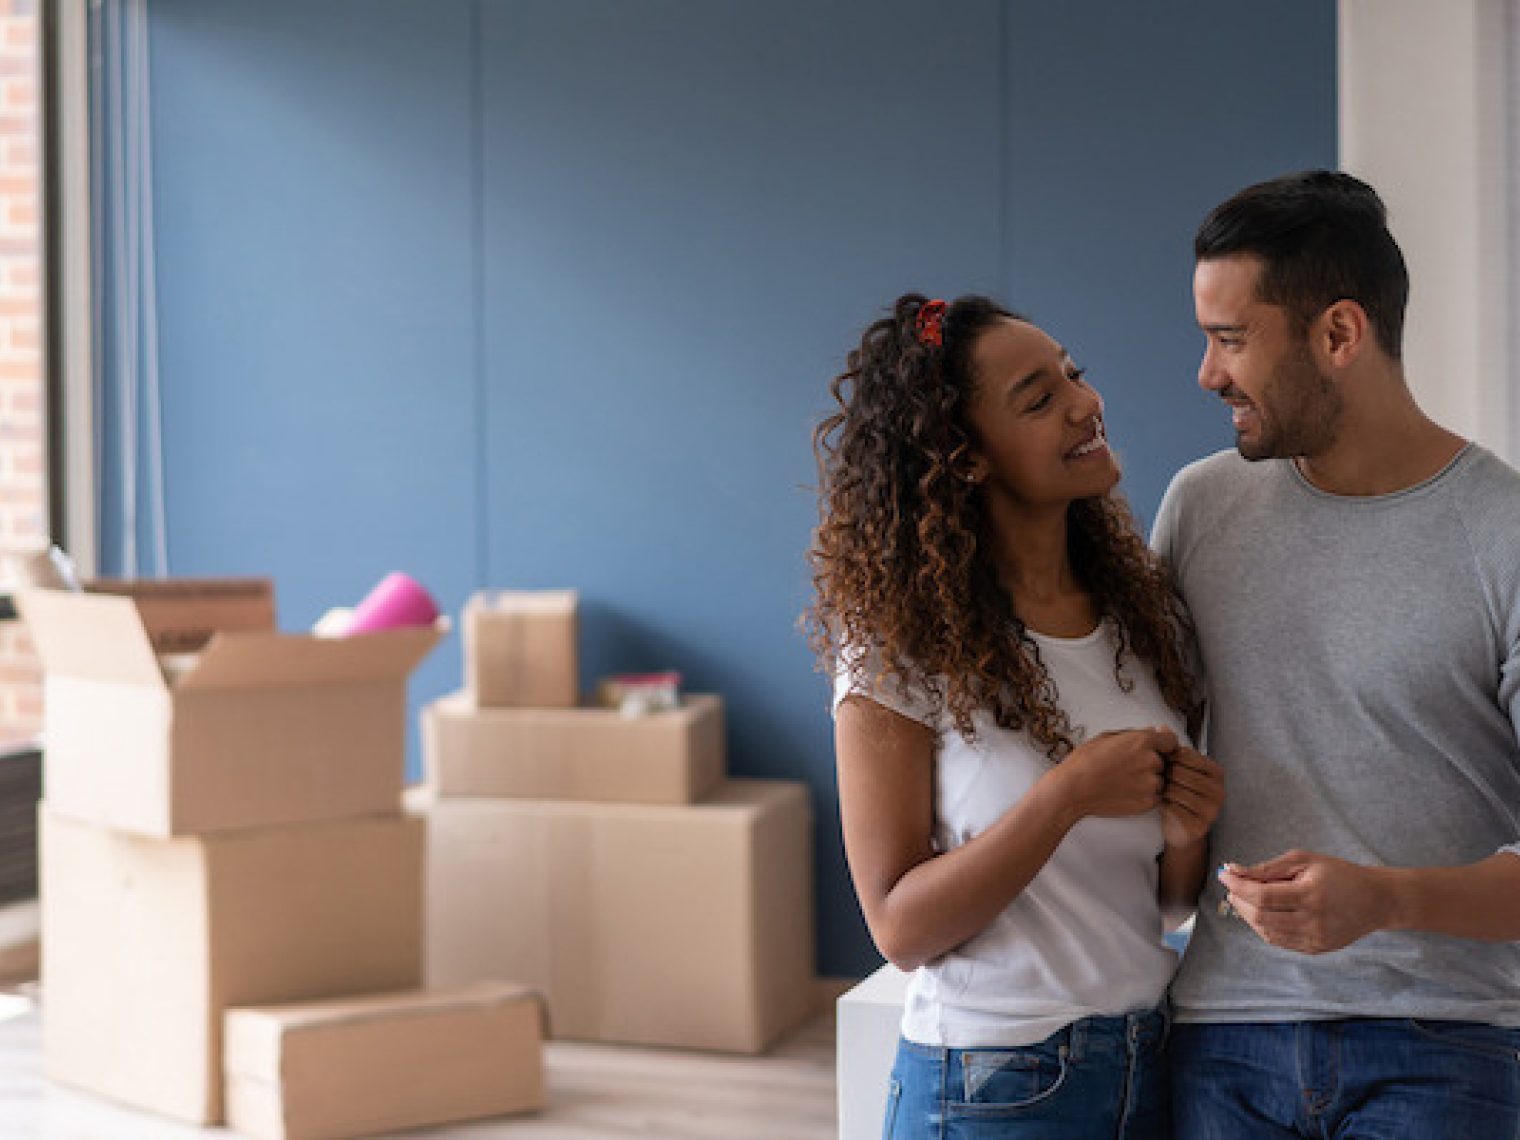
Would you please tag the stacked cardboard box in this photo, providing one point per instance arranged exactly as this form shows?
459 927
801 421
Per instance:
606 860
222 828
361 1066
520 648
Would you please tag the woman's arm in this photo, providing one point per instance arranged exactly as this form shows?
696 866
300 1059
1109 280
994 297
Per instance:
919 903
1189 805
1182 872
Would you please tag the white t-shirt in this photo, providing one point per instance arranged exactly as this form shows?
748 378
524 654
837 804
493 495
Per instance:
1085 937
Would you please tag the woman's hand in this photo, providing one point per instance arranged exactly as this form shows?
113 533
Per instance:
1116 773
1190 803
1192 798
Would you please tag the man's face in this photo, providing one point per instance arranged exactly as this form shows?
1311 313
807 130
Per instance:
1281 404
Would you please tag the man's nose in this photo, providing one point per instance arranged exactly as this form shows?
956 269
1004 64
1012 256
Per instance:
1211 377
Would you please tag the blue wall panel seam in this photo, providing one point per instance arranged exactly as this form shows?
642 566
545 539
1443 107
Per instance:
477 190
1004 159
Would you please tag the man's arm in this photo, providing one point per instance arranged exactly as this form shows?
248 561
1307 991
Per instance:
1314 903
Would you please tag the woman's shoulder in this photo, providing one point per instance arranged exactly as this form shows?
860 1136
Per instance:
862 670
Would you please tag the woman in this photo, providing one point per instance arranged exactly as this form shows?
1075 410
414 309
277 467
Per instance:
1018 798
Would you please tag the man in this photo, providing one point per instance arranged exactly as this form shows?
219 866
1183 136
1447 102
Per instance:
1353 570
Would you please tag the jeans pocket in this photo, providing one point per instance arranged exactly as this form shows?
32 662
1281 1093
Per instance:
889 1118
1010 1080
1470 1036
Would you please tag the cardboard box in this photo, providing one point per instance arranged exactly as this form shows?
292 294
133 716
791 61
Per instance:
868 1022
255 728
687 926
672 757
147 942
181 614
356 1067
520 648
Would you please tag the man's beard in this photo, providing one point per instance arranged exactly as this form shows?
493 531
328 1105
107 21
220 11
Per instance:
1298 413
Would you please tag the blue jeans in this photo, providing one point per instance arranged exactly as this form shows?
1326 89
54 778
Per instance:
1101 1077
1368 1079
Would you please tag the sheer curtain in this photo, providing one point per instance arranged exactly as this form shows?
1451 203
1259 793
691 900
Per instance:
129 414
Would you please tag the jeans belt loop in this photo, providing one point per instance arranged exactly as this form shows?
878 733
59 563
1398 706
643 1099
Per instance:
1076 1040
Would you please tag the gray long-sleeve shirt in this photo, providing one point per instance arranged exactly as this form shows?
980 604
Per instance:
1362 657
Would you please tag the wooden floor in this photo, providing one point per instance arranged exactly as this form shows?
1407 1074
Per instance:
595 1092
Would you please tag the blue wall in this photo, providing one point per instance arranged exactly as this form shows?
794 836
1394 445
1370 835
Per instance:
547 293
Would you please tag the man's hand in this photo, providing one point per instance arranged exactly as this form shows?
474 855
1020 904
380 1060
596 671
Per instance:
1308 902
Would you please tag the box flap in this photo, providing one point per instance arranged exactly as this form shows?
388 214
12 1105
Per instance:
523 602
463 705
251 1046
246 660
89 636
181 614
388 1006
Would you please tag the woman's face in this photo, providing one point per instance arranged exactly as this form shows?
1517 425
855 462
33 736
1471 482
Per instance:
1037 425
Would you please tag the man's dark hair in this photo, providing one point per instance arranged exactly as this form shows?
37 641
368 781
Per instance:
1322 237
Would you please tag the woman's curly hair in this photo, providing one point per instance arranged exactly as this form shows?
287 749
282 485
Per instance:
902 558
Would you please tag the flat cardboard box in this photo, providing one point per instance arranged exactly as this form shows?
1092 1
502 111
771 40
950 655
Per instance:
147 942
360 1066
656 925
520 648
254 728
674 757
868 1021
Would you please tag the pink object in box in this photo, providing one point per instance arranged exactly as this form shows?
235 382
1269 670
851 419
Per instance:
396 602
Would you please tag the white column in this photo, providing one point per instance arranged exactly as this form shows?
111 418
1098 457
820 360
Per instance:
72 119
1423 99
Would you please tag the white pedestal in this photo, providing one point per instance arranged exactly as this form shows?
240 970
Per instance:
869 1019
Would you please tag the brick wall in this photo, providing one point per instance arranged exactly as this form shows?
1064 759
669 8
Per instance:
23 502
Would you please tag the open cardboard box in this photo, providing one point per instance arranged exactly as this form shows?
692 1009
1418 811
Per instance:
177 708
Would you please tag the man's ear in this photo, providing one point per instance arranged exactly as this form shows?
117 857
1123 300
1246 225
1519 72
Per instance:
1343 333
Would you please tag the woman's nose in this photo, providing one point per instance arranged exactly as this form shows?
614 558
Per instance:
1088 404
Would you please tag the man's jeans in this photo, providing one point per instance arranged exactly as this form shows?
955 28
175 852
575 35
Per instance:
1101 1078
1367 1079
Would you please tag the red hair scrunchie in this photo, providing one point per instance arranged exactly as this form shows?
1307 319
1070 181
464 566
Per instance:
929 327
